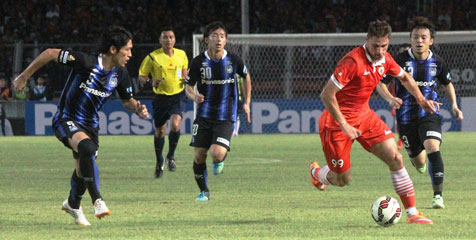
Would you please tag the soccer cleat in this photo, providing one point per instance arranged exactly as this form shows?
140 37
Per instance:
171 164
218 168
203 196
320 186
159 171
100 208
419 218
77 214
438 202
420 170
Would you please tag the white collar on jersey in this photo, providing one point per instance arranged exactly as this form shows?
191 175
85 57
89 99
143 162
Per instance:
222 57
100 60
413 56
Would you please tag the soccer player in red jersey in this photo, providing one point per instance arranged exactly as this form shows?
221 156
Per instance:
348 117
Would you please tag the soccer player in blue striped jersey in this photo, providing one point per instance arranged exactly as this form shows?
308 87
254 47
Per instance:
419 130
93 78
214 72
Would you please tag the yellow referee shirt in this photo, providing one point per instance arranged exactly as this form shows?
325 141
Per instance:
160 65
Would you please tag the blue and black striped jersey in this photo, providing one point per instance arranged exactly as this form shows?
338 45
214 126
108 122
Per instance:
88 86
217 81
427 74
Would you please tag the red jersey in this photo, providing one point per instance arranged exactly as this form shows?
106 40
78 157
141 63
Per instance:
357 75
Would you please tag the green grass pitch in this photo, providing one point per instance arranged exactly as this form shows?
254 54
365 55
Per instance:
264 192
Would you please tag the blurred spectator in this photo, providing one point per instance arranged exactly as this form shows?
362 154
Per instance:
5 93
41 91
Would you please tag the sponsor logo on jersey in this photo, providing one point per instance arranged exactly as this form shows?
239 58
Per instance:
425 84
433 134
210 82
387 132
93 91
223 140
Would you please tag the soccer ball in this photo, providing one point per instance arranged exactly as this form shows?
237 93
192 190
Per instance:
386 211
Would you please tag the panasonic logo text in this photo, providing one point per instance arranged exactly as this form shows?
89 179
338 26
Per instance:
425 84
94 91
209 82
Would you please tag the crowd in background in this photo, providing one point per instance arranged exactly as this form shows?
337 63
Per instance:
60 21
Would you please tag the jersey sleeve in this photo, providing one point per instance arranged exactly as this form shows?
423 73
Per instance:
344 72
445 76
241 68
146 66
193 72
124 88
393 68
72 58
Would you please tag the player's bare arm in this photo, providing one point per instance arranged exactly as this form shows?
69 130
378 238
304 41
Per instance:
450 93
50 54
247 97
409 83
184 75
136 107
383 91
328 96
191 94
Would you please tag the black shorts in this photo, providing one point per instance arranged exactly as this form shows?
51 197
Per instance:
165 106
206 132
414 134
65 128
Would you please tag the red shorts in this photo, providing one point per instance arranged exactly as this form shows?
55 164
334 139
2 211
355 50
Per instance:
336 144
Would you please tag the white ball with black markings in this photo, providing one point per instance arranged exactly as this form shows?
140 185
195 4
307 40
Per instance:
386 211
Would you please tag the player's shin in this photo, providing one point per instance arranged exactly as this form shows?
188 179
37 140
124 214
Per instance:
201 176
403 186
159 146
173 141
436 169
77 191
89 170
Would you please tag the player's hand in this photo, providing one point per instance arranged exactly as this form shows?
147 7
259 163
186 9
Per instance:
350 131
457 113
396 103
430 105
20 82
156 82
142 110
199 98
246 109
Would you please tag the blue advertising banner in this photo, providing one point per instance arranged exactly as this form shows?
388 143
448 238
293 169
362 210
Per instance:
267 116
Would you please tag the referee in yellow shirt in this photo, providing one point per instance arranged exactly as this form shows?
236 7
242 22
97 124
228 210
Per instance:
168 68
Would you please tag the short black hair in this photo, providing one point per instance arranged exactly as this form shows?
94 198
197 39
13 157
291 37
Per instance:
420 22
166 28
212 27
113 36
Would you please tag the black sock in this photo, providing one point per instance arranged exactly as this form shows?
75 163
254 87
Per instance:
89 170
201 176
173 141
159 147
77 191
436 169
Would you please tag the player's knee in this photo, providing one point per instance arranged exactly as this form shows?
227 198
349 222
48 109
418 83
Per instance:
159 133
174 126
217 154
87 148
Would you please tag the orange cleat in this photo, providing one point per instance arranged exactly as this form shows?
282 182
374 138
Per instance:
419 218
320 186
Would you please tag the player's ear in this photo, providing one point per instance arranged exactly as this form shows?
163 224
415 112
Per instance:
112 50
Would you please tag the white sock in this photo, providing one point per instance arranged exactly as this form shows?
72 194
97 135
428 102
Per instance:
411 211
322 174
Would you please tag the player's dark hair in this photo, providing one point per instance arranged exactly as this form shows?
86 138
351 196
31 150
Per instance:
166 28
420 22
379 29
212 27
113 36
